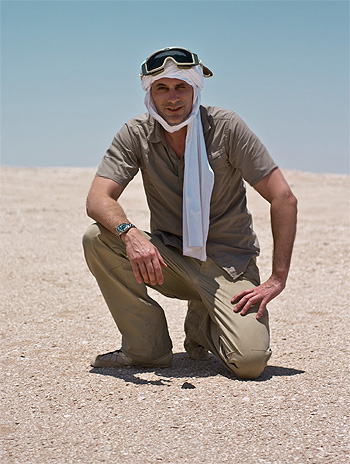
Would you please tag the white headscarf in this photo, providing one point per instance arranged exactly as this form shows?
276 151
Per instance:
198 176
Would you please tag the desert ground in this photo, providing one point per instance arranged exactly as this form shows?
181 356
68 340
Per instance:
56 408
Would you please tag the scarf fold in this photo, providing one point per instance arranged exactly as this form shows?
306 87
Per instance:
198 175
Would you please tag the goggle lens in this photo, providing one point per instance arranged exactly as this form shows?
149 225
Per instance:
157 61
181 56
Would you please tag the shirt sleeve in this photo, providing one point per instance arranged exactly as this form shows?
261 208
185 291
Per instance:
120 162
247 153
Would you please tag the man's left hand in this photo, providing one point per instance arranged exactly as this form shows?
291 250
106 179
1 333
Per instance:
262 293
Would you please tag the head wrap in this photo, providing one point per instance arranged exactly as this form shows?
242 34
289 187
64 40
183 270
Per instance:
198 175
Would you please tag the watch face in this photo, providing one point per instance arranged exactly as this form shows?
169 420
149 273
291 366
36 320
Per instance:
124 227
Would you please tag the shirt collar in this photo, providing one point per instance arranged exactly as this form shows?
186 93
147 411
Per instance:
205 119
156 133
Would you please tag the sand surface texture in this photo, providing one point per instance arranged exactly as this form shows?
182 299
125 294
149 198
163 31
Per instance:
57 409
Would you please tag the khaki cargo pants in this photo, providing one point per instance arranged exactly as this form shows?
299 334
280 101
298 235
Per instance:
240 342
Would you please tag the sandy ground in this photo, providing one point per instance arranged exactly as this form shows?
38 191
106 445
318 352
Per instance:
57 409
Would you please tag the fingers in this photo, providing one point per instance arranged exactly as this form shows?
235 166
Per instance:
136 272
161 260
248 298
149 272
242 294
262 295
145 259
243 300
245 303
262 308
154 271
148 268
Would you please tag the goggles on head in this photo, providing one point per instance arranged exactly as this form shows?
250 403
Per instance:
183 58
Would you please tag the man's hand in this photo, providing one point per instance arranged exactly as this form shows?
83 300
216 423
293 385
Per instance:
263 294
144 257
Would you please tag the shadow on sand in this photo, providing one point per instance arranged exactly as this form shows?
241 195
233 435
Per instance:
184 367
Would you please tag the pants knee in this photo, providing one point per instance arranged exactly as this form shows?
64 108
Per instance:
248 365
90 236
91 245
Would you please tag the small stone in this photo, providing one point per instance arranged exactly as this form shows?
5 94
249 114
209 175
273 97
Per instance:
188 385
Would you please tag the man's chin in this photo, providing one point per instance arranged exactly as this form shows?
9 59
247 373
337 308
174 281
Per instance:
173 120
172 123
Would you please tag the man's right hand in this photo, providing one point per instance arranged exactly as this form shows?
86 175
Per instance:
145 259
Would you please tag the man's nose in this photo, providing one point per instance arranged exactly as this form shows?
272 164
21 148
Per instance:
173 96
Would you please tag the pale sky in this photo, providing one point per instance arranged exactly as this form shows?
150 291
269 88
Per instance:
70 74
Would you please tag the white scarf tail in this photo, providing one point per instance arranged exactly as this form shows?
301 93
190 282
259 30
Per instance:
198 186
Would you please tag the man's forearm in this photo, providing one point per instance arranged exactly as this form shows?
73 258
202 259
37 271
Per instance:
283 224
106 211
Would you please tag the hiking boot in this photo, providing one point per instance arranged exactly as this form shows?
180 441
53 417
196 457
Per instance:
195 351
119 359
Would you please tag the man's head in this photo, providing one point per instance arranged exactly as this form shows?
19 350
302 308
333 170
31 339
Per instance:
173 99
172 79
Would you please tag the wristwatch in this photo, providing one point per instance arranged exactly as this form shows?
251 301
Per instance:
124 227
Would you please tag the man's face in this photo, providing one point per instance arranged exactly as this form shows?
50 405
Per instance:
173 99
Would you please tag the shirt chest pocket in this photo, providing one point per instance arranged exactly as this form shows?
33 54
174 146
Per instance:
218 160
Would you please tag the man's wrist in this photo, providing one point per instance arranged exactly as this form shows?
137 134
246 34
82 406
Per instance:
280 277
124 227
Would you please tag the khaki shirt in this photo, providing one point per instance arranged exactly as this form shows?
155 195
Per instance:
234 153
